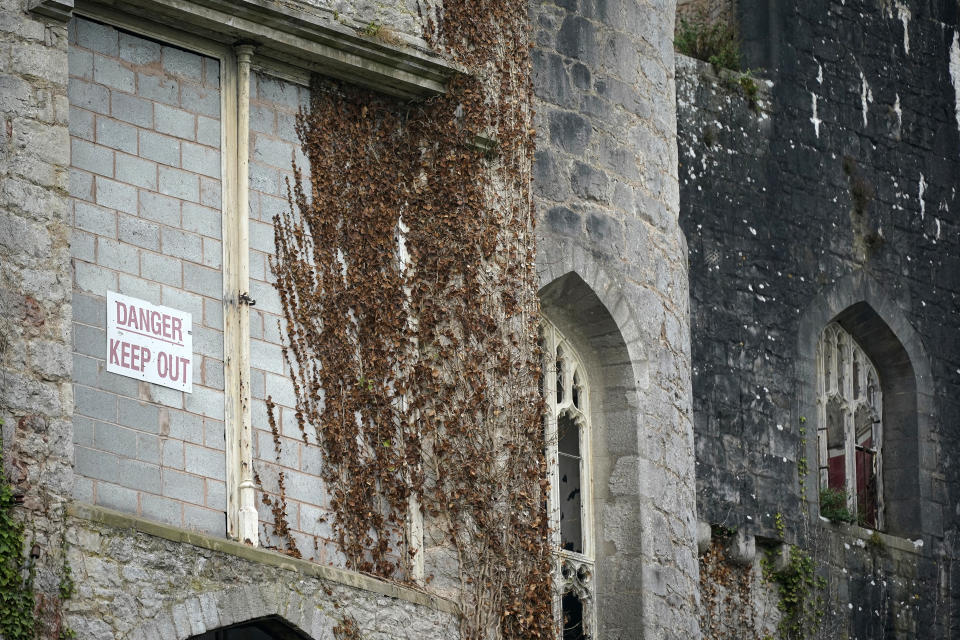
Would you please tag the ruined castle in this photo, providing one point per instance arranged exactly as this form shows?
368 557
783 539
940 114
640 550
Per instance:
746 282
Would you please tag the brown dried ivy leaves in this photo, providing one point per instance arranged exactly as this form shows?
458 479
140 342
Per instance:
405 268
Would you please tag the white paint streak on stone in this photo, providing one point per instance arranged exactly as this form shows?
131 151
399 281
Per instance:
814 119
937 236
923 189
866 97
955 74
819 73
899 112
903 12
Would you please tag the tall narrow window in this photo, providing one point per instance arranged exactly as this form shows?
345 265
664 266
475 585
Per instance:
850 429
568 454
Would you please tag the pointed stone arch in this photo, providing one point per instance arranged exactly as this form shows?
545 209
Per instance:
863 308
300 616
576 309
270 628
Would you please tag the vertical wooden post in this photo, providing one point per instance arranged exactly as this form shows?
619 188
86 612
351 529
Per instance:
241 508
247 519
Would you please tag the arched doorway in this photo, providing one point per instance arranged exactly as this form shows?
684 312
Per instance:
270 628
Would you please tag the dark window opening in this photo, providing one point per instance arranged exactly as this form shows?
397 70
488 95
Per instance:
568 448
573 618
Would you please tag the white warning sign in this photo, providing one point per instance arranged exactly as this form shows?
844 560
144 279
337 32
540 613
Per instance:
149 342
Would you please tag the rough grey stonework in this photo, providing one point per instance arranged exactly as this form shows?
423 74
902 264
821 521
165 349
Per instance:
36 400
835 199
403 18
135 586
612 261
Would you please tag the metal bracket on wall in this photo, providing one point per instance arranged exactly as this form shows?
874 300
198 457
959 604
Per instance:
247 300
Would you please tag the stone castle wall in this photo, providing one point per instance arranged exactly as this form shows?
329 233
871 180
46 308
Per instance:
832 186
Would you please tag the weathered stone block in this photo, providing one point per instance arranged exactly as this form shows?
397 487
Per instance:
277 92
158 208
186 426
200 100
137 50
175 122
182 244
87 95
213 314
208 131
139 288
136 171
205 462
211 192
198 279
109 72
118 256
148 448
83 246
139 232
117 135
94 279
116 497
207 342
163 510
161 268
160 148
204 401
98 37
131 109
183 63
159 88
80 63
95 404
172 453
81 123
182 486
114 439
138 415
201 159
212 253
179 184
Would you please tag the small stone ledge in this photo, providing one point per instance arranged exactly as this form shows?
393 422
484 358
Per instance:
292 36
727 81
60 10
867 536
111 518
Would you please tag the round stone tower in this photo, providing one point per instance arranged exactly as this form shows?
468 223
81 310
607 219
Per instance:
613 268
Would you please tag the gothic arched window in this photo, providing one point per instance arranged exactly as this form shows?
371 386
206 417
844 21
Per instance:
850 427
566 392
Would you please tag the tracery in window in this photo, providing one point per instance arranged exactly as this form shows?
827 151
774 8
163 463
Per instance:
850 428
568 454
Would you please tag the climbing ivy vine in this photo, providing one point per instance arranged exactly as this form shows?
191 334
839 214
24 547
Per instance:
17 602
800 591
405 269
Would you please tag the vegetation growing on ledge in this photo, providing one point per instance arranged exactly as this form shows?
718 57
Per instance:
833 505
715 42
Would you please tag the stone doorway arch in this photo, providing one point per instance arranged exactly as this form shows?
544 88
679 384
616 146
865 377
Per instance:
263 609
269 628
